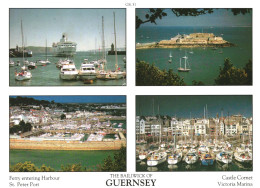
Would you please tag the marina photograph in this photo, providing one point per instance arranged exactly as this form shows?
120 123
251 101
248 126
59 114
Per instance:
194 133
67 47
193 46
67 133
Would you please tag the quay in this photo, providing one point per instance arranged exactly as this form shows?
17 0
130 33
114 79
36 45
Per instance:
66 145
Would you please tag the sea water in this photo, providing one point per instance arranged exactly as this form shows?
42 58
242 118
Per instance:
204 62
49 75
56 158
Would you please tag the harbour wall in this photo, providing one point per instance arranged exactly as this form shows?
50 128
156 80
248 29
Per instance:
66 145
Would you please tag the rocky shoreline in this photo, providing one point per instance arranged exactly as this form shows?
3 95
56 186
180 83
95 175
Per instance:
158 45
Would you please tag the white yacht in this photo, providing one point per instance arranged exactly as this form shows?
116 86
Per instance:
11 63
191 157
156 158
170 58
186 67
118 74
31 65
87 71
23 75
224 157
175 157
68 72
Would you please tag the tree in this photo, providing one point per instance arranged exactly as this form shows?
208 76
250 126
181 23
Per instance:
120 160
230 75
116 165
72 168
107 165
150 75
248 69
27 166
158 13
44 168
197 83
63 116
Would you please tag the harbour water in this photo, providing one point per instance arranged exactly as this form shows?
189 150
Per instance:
49 75
204 62
54 159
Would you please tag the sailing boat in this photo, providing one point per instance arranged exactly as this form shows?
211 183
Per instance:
102 74
170 58
176 155
47 61
185 69
117 74
24 73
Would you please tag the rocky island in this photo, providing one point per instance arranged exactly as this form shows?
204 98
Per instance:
188 41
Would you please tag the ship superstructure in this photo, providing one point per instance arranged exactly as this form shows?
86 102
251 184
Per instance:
64 48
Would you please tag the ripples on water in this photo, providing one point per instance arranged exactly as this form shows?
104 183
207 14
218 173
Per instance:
49 75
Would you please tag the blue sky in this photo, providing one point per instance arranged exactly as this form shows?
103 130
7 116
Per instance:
82 99
83 26
183 106
220 17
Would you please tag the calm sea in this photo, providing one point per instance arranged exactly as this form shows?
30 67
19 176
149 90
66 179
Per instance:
204 63
55 159
49 75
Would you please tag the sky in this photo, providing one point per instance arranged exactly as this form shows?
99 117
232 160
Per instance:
220 17
83 26
187 105
82 99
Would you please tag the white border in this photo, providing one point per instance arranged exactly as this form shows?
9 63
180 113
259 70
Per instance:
164 179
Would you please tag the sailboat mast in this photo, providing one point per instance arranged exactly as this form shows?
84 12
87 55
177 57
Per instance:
22 38
185 62
115 40
46 50
103 39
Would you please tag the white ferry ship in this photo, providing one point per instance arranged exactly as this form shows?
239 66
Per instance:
64 48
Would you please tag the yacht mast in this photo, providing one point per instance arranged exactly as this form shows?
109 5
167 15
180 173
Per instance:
103 40
115 40
22 38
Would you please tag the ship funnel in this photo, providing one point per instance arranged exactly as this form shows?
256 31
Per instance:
64 37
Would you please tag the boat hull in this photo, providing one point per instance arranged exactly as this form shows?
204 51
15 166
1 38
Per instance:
155 162
207 162
68 76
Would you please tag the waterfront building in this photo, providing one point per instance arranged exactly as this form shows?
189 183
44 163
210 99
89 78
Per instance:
201 126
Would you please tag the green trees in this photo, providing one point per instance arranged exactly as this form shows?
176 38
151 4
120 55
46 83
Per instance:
230 75
72 168
150 75
28 166
23 127
158 13
116 165
63 116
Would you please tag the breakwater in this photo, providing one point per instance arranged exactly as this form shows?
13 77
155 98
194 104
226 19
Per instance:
66 145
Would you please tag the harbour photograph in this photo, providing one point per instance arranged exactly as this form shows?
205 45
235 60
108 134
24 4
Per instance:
67 133
67 47
194 133
193 46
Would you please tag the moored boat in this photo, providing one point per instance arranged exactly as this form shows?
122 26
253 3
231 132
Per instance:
156 158
224 157
68 72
